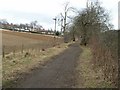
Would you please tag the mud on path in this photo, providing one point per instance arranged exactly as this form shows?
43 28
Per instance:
60 73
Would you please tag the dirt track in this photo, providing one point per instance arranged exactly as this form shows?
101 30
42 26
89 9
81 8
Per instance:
60 73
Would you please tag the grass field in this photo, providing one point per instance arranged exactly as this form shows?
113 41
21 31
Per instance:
15 62
15 67
17 41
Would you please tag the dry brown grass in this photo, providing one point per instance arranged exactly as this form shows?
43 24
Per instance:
24 63
24 51
15 41
106 60
87 77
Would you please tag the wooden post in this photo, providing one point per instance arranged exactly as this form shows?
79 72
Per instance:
22 49
14 50
3 51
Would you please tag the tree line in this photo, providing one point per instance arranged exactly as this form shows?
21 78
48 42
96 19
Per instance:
33 27
93 25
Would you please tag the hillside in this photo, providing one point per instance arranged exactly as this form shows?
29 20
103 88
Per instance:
16 40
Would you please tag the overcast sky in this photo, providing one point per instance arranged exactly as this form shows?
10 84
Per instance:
25 11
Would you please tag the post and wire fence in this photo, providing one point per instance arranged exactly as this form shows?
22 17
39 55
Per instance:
14 49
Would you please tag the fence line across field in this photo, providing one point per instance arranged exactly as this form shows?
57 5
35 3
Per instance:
30 47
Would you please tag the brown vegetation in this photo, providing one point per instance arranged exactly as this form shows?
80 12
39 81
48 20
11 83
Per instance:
19 41
93 24
20 64
105 56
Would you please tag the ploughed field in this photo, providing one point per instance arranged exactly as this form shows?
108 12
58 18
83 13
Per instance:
19 41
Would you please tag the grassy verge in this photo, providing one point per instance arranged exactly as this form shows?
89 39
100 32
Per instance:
27 61
87 77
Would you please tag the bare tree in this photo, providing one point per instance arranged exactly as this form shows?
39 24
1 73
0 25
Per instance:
64 16
33 24
91 21
4 24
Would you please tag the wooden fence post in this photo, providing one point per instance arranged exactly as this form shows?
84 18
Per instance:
14 50
3 51
22 49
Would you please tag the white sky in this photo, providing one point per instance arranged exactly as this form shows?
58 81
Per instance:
25 11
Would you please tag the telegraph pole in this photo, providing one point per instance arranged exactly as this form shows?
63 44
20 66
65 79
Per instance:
55 25
61 25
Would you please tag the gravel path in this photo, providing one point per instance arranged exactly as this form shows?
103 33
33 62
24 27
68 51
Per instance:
60 73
